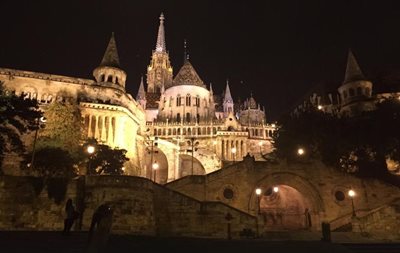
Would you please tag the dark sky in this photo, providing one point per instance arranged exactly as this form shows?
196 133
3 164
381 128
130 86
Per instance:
279 50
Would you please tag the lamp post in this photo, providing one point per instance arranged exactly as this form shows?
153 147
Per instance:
260 145
90 149
233 150
38 121
258 193
155 166
153 143
193 145
352 194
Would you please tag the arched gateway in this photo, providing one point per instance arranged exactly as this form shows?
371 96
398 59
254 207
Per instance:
286 201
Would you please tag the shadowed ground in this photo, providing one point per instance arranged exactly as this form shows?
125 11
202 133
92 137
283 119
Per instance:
43 242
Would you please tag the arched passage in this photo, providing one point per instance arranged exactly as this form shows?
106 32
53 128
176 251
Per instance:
282 207
160 174
186 166
295 201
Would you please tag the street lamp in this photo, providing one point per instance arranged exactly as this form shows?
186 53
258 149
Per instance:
153 143
38 121
233 150
352 194
300 151
276 189
155 166
258 193
90 149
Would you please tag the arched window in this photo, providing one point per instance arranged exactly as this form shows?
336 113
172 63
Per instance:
159 131
197 101
174 131
179 131
187 117
178 117
189 131
178 100
109 79
188 100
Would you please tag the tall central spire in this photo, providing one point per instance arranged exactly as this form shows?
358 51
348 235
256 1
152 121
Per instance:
160 46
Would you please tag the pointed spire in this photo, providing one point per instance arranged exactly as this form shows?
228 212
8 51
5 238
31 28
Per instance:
110 58
211 89
141 93
228 96
185 55
160 46
353 71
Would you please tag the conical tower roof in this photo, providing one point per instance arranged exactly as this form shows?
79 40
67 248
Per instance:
228 96
110 58
141 93
353 71
187 75
160 45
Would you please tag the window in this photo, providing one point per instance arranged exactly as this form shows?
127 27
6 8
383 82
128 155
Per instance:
359 91
351 92
197 101
187 117
178 117
188 100
178 100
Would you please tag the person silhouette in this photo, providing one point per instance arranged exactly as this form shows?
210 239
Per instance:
70 216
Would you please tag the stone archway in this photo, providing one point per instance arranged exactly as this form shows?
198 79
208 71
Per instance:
159 175
295 203
186 166
282 207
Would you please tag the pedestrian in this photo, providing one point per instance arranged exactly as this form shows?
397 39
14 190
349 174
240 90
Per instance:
70 216
307 217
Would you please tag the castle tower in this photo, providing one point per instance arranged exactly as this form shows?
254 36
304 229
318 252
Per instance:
141 95
159 71
356 90
228 101
109 72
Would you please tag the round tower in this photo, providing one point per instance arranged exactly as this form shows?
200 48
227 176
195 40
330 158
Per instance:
109 72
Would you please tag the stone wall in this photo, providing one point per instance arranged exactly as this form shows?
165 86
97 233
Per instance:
26 203
139 206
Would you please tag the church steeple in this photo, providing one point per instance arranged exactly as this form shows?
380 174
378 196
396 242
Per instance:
353 71
228 96
109 73
228 101
160 46
159 71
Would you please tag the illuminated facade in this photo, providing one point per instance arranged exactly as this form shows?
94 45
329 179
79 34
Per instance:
182 110
158 126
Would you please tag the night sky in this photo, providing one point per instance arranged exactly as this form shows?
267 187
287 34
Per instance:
279 50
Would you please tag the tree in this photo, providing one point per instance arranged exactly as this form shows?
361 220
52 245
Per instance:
106 160
54 162
63 129
358 144
17 117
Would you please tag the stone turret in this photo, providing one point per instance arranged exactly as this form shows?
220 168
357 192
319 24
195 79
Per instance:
356 90
109 72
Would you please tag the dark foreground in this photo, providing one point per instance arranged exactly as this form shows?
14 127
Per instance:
44 242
